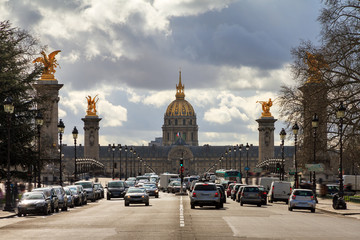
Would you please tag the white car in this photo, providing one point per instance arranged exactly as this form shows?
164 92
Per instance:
302 199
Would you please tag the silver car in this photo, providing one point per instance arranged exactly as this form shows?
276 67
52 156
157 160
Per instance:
205 194
250 195
302 199
136 195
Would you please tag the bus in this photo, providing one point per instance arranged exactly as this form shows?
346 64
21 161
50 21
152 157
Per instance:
228 175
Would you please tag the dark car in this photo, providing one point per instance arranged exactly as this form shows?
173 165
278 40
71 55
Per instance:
77 194
34 202
70 197
136 195
116 189
250 195
151 189
101 188
263 193
222 192
62 197
89 188
49 192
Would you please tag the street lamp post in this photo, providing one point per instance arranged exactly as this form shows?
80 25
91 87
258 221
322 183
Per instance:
39 122
138 160
61 128
120 149
247 147
220 160
226 159
295 130
9 109
340 115
75 136
237 146
113 161
315 124
134 157
126 162
141 167
229 157
240 150
131 157
282 138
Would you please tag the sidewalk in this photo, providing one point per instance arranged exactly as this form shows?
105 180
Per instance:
325 205
6 214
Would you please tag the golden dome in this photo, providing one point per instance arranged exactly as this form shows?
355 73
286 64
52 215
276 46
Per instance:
180 107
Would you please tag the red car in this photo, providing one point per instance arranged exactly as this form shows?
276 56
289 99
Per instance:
229 188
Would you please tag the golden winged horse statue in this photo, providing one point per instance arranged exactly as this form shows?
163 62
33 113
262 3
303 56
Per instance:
49 62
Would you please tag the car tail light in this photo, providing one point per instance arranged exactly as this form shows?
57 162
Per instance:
312 197
290 189
242 194
216 194
194 194
293 196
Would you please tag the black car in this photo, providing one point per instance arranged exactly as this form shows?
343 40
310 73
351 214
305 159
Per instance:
77 194
101 188
49 192
221 189
151 189
116 189
34 202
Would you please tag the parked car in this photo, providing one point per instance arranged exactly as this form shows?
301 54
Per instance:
34 202
70 197
279 191
205 194
89 188
250 195
78 194
62 197
49 192
116 189
302 199
101 188
136 195
264 194
152 189
97 191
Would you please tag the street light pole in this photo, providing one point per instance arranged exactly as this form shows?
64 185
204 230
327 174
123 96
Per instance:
226 159
61 128
126 162
230 157
9 109
295 129
39 122
282 138
120 149
134 157
113 161
131 157
237 146
340 115
75 136
247 147
315 124
240 170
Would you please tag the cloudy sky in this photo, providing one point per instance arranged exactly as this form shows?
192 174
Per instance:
231 53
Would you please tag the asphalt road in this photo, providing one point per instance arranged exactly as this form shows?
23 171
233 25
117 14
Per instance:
170 217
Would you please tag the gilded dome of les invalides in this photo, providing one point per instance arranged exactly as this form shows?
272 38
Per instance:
179 107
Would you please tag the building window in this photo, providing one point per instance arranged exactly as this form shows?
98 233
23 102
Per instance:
184 122
169 122
175 121
183 136
168 136
192 136
190 122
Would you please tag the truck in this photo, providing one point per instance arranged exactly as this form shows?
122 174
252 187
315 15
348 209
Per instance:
266 182
165 179
353 181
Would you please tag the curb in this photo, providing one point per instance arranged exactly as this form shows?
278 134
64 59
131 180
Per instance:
8 216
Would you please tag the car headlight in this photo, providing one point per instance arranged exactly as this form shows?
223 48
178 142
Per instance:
127 196
143 196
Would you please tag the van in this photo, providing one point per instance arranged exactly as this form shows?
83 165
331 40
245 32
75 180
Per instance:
279 191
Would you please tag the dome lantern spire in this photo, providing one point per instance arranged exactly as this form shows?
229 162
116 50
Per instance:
180 89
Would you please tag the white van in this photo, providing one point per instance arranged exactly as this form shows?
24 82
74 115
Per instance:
279 191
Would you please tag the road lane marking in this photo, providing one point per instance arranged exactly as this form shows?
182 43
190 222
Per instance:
182 220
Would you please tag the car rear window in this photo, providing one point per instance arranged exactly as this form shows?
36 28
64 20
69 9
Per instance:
205 187
251 189
303 193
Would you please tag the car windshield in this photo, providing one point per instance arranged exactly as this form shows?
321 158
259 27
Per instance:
176 183
149 186
303 193
251 189
136 190
67 191
115 184
30 196
85 184
57 191
205 187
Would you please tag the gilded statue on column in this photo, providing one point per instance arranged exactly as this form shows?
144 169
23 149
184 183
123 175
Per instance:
266 105
315 64
91 110
49 63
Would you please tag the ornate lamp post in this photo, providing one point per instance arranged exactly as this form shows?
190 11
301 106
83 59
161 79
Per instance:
75 136
138 160
220 160
39 122
9 109
126 162
340 115
113 161
131 157
226 159
282 138
134 157
315 124
247 147
295 130
120 149
61 128
240 170
237 146
229 157
140 166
